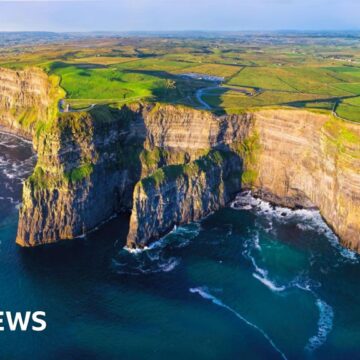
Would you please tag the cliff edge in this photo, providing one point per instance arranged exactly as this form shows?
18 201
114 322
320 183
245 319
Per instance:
28 100
316 157
171 165
292 158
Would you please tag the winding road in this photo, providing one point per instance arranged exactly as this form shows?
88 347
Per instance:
199 93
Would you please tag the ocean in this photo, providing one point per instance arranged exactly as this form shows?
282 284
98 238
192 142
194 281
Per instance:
248 282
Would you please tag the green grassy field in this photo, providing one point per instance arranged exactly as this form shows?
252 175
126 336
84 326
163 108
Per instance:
307 80
81 82
235 102
349 111
147 79
303 73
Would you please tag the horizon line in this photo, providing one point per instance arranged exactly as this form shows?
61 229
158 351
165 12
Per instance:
183 31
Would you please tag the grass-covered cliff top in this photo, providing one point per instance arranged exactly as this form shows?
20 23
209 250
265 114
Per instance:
56 93
345 138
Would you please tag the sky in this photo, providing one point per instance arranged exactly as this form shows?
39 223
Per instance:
175 15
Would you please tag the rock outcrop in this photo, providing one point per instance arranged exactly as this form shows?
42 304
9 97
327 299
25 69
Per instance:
27 99
179 194
87 165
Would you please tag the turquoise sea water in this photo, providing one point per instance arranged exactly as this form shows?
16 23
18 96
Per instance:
248 282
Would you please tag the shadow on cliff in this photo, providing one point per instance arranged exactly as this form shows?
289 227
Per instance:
85 256
101 159
126 151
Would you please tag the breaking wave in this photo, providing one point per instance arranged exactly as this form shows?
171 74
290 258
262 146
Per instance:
205 294
179 237
155 258
305 220
271 285
253 244
325 325
301 282
16 163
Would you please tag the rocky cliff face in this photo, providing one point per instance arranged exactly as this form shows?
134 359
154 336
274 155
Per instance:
178 135
291 158
176 195
27 97
306 156
160 161
87 165
180 194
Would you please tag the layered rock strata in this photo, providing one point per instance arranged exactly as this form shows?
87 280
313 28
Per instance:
171 165
27 99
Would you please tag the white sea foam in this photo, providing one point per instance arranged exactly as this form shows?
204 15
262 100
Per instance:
4 161
252 242
6 138
258 269
169 265
179 237
135 251
145 266
305 219
325 325
256 239
17 170
270 284
263 276
260 274
8 143
153 258
326 314
303 282
158 266
205 294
